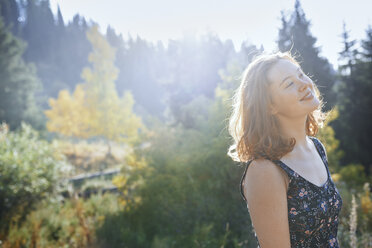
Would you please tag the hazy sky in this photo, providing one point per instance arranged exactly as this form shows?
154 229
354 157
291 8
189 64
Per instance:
255 21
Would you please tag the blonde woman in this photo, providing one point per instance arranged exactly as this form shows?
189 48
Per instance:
290 195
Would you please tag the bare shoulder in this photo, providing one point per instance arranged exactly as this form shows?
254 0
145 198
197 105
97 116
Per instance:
263 173
263 180
266 193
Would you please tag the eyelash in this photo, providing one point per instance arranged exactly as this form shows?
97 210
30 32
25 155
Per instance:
302 75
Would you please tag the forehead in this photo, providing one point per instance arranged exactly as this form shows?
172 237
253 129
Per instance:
280 70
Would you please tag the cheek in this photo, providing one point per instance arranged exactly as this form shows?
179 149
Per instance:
288 96
287 103
284 102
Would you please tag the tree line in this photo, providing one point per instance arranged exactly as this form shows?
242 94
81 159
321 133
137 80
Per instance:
42 56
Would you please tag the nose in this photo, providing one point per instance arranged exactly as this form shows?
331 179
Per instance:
304 83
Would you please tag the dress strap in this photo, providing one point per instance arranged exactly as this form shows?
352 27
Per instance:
286 168
242 179
320 148
291 173
321 151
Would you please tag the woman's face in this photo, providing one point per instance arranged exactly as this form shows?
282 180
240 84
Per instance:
293 93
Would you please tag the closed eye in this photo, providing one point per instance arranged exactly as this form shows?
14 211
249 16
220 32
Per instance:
289 84
301 76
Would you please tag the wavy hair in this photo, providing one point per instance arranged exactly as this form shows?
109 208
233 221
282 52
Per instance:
254 129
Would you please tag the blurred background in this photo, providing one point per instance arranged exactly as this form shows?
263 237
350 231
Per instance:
114 116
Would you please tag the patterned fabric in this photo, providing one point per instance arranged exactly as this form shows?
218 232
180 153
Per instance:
312 210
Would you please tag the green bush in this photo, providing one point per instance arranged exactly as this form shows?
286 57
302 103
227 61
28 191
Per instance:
68 223
191 197
361 208
29 171
354 176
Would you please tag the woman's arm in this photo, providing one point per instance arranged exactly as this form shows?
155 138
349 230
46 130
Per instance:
266 192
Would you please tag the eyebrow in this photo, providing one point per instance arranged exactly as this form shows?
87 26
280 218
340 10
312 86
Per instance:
298 69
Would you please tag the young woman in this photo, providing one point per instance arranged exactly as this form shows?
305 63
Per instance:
291 197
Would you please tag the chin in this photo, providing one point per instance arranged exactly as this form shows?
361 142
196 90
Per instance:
314 106
313 103
317 102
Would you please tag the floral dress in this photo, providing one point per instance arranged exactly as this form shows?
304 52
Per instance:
312 210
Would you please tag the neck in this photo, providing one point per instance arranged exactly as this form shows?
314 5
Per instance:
295 128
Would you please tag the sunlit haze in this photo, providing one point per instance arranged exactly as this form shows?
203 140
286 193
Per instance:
239 20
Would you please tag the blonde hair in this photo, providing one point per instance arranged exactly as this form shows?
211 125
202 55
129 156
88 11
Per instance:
254 129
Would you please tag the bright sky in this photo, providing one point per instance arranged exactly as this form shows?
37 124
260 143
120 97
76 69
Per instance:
256 21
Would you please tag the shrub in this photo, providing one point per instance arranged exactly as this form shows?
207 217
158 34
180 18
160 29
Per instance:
29 171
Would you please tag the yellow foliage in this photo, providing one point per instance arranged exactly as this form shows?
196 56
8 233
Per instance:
221 93
95 109
336 177
68 115
366 202
134 162
127 183
119 181
327 136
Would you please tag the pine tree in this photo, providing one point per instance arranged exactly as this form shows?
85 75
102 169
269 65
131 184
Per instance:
39 31
295 36
361 100
18 83
74 44
354 101
367 46
348 54
10 12
60 22
139 62
59 51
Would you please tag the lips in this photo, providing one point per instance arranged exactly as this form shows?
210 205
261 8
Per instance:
306 96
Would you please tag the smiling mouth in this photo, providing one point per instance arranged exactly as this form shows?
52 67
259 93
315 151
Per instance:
307 96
